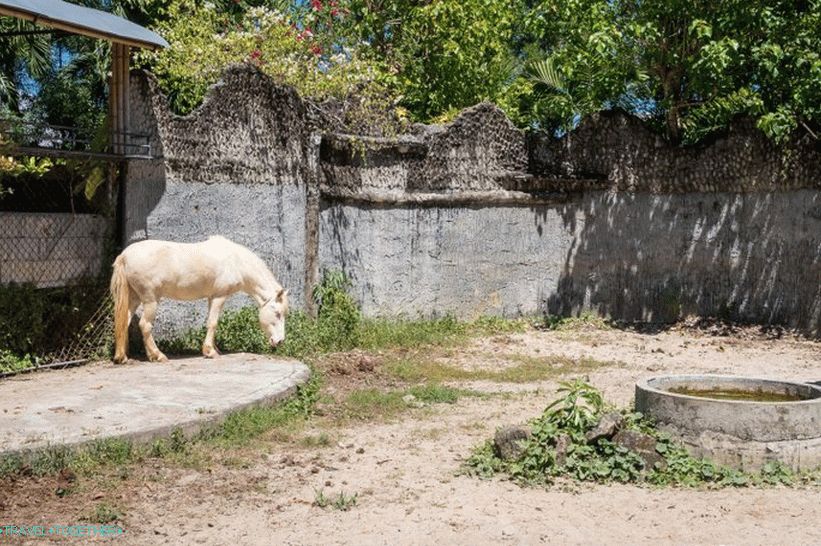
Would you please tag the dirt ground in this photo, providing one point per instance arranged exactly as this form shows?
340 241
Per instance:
403 471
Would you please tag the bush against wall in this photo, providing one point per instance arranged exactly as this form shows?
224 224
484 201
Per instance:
203 40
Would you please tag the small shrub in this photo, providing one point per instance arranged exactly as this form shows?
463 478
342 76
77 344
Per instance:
320 500
345 502
338 316
572 415
38 321
10 362
104 513
342 502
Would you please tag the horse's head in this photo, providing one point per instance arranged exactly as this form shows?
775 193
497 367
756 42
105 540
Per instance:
272 317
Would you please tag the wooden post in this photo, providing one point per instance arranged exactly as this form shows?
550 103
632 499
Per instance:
118 97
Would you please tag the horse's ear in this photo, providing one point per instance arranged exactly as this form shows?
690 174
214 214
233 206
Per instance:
281 295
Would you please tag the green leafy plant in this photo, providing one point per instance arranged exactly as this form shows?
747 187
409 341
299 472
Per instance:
558 446
341 502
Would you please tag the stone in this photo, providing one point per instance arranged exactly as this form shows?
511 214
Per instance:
508 443
411 401
607 426
562 445
643 445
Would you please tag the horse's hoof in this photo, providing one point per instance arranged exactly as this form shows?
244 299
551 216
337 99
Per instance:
213 353
159 358
120 359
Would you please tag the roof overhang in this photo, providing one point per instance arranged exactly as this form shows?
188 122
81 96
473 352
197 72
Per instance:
82 20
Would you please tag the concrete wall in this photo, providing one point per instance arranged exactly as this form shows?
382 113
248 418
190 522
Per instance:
50 249
635 257
476 217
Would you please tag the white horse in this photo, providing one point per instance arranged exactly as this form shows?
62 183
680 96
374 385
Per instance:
149 270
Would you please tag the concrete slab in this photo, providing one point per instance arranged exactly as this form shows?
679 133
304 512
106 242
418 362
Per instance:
137 400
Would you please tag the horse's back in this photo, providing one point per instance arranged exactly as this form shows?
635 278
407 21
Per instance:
182 270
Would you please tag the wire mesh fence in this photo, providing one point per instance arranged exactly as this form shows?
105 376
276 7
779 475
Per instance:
54 304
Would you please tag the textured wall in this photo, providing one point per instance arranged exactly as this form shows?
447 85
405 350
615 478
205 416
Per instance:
626 155
474 217
642 257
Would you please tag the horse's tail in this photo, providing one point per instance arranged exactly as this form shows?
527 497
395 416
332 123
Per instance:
119 293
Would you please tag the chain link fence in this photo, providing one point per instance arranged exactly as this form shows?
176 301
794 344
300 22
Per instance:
54 305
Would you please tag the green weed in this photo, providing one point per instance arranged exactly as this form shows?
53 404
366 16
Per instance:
578 409
342 502
104 513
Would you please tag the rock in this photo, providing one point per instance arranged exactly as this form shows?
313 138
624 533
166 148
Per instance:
607 426
643 445
562 444
509 442
411 401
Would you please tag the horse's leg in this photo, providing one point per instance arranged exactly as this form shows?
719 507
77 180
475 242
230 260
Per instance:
146 324
133 303
209 350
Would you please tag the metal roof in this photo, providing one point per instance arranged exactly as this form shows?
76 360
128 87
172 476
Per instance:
82 20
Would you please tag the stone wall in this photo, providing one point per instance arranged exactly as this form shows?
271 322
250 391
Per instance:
622 152
477 218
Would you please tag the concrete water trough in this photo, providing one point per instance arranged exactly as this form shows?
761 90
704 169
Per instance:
738 421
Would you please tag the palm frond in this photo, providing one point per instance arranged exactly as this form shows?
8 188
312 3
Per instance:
545 73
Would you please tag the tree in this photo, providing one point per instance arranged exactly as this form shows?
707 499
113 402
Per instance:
689 65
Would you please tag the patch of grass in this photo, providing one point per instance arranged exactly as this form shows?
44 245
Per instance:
446 331
316 440
341 502
585 321
240 427
104 513
437 394
320 499
372 403
528 370
344 502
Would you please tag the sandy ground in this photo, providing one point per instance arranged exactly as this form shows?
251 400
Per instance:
404 472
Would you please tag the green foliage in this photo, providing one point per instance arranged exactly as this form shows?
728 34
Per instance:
578 410
104 513
241 427
454 54
204 39
37 321
341 502
11 362
688 66
372 403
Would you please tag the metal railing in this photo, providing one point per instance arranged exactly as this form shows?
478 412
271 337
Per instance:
36 138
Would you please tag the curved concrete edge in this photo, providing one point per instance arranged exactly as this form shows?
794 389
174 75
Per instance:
290 383
193 426
798 455
745 420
